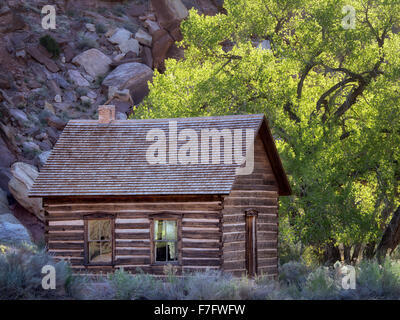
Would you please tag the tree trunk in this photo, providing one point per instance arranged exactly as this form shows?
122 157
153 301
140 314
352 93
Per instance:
369 250
391 236
331 253
356 253
346 254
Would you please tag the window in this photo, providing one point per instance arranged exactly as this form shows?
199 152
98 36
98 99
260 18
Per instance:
99 241
165 241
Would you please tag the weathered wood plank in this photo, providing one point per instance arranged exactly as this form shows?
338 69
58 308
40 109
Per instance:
132 243
65 236
200 235
234 255
234 236
132 252
65 245
234 265
201 254
233 246
195 244
135 236
64 228
132 225
201 262
201 224
133 261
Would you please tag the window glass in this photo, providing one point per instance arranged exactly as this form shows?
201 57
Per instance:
165 240
99 241
172 252
170 230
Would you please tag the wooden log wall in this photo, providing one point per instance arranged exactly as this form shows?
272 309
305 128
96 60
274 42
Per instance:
258 191
201 230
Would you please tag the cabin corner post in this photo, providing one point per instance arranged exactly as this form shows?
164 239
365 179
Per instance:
221 238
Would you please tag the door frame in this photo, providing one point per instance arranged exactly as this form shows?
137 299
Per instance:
251 242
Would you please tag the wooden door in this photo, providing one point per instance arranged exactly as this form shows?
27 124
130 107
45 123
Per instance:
251 243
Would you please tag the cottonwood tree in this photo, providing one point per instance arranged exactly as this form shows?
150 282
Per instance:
329 86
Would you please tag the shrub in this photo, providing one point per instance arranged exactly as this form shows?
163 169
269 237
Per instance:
375 281
51 45
85 42
21 277
132 27
137 287
101 28
212 284
80 287
293 274
119 10
321 284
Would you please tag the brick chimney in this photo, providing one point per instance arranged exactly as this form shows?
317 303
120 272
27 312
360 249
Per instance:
106 113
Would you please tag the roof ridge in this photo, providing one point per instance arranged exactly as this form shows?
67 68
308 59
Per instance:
239 116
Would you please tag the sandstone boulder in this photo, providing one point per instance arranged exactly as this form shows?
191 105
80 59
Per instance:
152 26
124 39
169 12
40 56
162 42
131 45
3 202
56 122
43 157
10 21
23 177
137 10
121 116
19 116
119 36
75 77
147 56
143 37
133 76
12 231
5 176
7 158
94 62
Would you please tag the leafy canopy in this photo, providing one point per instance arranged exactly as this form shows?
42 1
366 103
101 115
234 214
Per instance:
330 93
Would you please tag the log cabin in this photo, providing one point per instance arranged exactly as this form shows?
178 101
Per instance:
143 194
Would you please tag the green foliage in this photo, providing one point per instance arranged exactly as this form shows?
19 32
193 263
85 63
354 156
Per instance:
51 45
21 277
101 28
85 42
132 27
330 95
119 10
379 281
293 274
320 284
139 286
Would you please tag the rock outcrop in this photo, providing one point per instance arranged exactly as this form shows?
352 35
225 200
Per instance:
4 208
45 84
133 76
23 177
12 232
94 62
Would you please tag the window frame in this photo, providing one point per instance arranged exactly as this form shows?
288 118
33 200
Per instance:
98 216
166 217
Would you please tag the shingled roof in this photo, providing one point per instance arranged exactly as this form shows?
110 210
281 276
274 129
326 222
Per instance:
96 159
